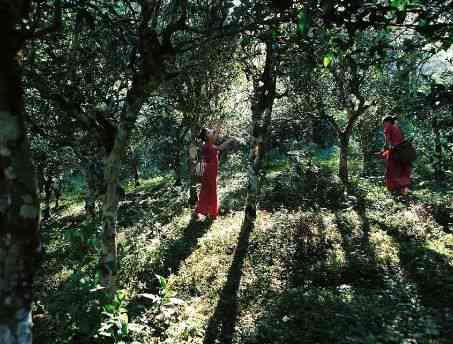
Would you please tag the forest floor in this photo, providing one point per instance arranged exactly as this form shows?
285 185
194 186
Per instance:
373 269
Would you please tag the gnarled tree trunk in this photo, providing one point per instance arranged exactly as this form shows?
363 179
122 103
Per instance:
19 205
262 103
112 166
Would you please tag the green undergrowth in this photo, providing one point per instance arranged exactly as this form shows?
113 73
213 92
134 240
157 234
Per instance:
320 266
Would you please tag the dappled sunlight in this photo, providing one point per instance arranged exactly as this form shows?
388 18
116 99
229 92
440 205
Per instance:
443 246
385 247
307 276
73 209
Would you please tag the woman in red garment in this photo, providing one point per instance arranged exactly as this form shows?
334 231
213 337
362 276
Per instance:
397 174
208 203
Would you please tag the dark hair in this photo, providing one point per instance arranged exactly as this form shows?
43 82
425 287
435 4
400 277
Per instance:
390 119
203 134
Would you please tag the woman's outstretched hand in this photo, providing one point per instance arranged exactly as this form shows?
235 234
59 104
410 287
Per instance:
231 141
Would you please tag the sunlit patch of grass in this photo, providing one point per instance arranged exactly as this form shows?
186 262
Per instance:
412 222
385 247
336 257
205 270
443 246
149 184
353 220
71 206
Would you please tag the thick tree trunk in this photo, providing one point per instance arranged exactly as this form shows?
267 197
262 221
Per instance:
146 79
262 103
344 148
112 166
19 205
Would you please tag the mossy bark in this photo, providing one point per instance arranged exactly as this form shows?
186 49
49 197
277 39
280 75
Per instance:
112 167
19 204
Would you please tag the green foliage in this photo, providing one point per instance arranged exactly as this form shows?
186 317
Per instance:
328 59
115 324
400 4
302 22
165 297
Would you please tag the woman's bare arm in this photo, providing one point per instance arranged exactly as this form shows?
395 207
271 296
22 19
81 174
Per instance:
225 144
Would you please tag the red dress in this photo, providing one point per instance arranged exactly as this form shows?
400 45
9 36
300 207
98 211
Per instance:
397 174
208 203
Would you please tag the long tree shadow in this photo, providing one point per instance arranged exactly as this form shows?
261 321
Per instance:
362 270
431 272
170 260
222 323
179 250
308 265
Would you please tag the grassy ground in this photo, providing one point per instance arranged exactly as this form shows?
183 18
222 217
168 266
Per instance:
365 269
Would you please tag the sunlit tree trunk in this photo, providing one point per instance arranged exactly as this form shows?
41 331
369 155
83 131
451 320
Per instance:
149 74
19 205
262 103
112 166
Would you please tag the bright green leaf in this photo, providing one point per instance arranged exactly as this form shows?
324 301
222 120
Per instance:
399 4
327 60
302 22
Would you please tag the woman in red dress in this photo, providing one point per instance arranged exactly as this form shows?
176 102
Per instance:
208 203
397 174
